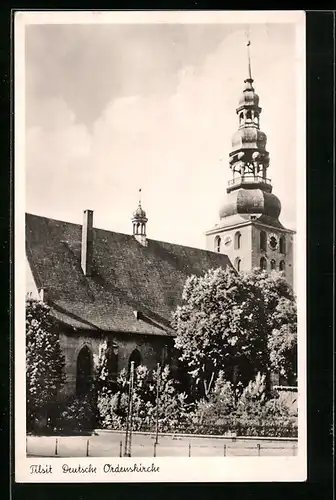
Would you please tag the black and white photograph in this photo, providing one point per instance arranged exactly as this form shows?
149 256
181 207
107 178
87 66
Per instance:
160 246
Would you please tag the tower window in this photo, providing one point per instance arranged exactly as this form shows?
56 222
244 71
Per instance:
249 115
273 264
282 244
263 263
282 265
237 240
241 117
263 240
238 264
256 118
218 241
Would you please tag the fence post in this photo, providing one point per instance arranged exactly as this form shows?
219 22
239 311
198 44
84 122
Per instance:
154 449
120 448
189 450
224 450
56 447
87 447
258 446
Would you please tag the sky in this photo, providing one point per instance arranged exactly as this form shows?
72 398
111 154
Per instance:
114 108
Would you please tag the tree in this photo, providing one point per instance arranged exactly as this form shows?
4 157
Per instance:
282 342
45 363
281 314
241 323
221 325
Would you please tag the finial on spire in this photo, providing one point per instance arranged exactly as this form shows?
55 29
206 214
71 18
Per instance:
248 54
140 197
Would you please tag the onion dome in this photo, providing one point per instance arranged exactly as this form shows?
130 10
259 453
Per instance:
248 98
249 138
139 213
251 202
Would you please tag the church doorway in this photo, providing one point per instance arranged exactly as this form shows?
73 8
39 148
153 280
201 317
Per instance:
84 372
136 357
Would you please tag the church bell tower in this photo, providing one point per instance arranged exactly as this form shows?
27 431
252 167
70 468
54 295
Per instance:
249 231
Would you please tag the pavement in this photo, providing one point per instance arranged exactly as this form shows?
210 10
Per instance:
111 444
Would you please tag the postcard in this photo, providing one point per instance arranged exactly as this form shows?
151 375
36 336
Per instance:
160 215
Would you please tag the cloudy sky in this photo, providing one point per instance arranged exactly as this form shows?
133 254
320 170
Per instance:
114 108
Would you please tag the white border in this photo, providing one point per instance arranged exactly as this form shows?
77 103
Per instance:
172 469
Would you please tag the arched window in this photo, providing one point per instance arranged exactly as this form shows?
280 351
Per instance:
237 240
84 371
256 118
137 228
263 240
241 117
238 264
282 244
136 357
165 356
112 360
249 115
273 264
218 244
263 263
282 265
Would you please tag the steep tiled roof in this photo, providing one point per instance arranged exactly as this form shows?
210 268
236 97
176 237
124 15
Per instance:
126 276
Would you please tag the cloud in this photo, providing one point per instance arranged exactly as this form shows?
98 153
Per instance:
90 65
174 145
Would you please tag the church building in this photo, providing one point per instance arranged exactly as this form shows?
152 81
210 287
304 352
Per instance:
103 285
123 288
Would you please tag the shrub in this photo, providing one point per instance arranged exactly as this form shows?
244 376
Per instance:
76 415
171 412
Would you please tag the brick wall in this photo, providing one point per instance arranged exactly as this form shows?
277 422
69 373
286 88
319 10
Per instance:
228 235
150 348
270 254
288 395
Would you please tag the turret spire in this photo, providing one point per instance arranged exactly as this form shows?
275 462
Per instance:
139 221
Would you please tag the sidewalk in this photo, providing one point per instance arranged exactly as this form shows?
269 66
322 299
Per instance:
111 443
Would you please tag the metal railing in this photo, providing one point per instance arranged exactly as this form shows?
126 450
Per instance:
249 179
168 446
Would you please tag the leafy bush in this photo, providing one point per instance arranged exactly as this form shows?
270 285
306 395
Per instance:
76 415
112 405
251 411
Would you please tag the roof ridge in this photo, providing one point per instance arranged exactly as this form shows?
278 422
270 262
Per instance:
130 235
